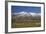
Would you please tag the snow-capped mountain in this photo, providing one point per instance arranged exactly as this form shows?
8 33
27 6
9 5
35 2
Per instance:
26 15
23 13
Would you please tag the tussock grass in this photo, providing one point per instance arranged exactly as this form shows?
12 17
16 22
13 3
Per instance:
23 24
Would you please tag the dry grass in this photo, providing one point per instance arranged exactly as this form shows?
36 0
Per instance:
22 24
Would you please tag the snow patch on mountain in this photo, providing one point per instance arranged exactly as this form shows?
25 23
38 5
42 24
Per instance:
23 13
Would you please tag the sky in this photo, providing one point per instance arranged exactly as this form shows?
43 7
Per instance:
16 9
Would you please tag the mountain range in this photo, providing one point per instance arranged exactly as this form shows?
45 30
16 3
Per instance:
23 13
26 16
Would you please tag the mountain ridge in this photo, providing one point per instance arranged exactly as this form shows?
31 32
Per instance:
27 14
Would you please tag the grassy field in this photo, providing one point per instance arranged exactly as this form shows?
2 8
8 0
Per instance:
29 23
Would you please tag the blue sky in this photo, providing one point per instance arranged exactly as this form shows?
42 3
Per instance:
16 9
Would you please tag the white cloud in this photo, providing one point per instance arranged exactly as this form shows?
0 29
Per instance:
35 14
